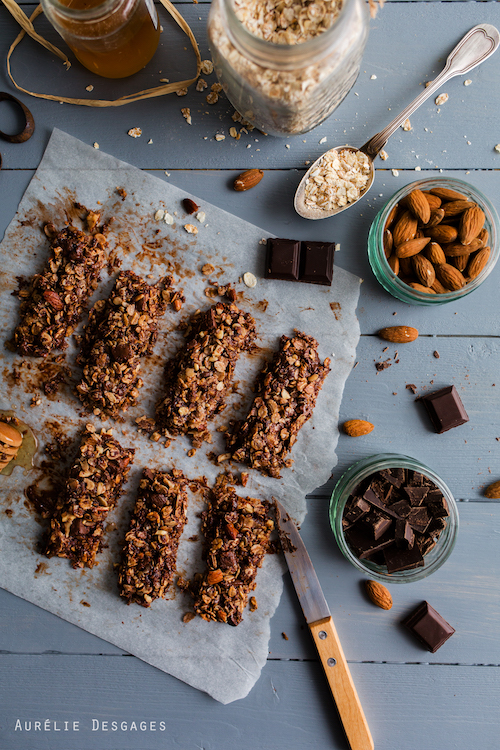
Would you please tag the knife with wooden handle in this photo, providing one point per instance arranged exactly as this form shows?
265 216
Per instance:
323 631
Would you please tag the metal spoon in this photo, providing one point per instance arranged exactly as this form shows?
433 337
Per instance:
476 46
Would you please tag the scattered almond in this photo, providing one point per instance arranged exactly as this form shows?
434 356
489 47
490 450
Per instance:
398 334
357 427
378 593
248 179
493 491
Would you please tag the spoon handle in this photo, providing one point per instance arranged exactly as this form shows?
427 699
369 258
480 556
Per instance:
476 46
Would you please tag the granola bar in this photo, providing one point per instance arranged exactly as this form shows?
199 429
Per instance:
237 531
199 378
121 330
57 297
151 544
286 394
92 489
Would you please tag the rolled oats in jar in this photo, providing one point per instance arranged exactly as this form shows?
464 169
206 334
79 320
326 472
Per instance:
285 65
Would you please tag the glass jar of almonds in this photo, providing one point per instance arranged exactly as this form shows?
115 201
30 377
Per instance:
285 65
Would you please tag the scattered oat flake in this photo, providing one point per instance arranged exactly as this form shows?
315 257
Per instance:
233 132
219 137
164 80
201 216
89 88
384 155
287 145
134 132
467 82
323 140
150 142
497 147
160 214
249 280
418 169
407 125
373 78
191 229
441 99
186 113
168 218
395 172
207 67
201 84
95 144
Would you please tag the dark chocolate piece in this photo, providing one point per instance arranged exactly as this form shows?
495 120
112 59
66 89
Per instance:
394 476
376 524
419 519
366 547
428 626
405 536
373 499
316 262
416 494
283 259
356 510
401 508
403 559
445 409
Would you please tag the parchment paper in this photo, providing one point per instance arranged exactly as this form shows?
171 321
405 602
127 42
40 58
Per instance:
221 660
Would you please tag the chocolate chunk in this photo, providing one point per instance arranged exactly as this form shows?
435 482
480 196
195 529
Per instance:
283 258
373 499
404 534
401 508
419 518
428 626
316 262
366 547
395 476
357 509
375 524
416 494
399 559
445 409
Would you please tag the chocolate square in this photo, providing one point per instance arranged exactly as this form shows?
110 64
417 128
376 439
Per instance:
445 409
283 259
428 626
403 559
316 266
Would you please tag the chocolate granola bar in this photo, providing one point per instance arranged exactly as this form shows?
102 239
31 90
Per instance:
53 304
199 378
237 531
121 330
152 541
92 489
286 393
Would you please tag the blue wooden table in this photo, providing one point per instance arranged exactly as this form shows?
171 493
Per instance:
55 673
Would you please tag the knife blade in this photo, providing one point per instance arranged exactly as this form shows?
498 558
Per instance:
326 640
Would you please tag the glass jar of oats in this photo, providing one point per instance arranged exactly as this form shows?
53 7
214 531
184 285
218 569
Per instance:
285 65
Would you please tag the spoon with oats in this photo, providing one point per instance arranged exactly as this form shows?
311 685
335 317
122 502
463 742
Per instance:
344 174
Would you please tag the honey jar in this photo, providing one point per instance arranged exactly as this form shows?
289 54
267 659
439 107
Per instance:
114 38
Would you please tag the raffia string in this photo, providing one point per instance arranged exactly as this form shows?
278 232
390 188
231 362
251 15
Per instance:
28 28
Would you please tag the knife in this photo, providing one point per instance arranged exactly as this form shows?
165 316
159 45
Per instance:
323 631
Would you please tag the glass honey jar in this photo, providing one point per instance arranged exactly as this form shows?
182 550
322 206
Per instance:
114 38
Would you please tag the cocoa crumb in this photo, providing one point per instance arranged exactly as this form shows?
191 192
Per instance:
84 603
379 366
411 387
188 617
284 636
436 354
121 192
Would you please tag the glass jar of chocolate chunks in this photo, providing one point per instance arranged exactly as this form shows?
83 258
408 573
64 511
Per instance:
393 518
285 67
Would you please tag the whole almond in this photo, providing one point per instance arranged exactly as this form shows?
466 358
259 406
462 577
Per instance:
439 288
460 262
405 228
443 233
421 288
419 205
471 223
424 270
248 179
190 207
398 334
357 427
493 491
436 217
449 276
392 215
477 262
405 267
448 195
379 594
53 299
483 236
412 247
433 200
388 242
393 262
456 248
215 576
435 253
453 208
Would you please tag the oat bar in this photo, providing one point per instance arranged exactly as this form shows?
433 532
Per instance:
152 541
93 487
120 331
286 394
237 531
56 298
199 378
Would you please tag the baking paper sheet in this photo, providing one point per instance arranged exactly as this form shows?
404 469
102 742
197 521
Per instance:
219 659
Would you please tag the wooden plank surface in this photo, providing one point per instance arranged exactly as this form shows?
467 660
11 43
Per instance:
412 699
